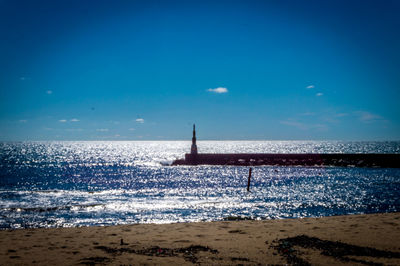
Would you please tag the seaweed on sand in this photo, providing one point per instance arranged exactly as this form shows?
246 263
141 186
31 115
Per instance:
337 250
188 253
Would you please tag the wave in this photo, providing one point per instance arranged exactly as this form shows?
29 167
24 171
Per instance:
51 209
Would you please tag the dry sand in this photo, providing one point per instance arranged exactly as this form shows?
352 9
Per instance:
351 240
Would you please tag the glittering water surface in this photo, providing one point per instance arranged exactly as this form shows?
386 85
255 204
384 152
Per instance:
59 184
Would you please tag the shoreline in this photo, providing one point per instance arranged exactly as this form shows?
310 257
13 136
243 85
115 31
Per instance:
360 237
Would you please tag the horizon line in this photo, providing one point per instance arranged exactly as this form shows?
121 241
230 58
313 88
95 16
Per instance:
360 140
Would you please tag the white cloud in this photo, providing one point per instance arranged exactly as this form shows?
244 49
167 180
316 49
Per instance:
22 78
117 135
368 117
74 120
304 126
49 92
22 121
102 129
62 120
341 114
131 129
307 114
319 94
310 87
218 90
320 127
140 120
294 124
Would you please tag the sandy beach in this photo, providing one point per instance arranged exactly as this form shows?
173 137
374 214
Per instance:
351 239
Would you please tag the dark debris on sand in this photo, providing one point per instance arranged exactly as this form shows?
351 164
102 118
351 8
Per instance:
337 250
94 260
238 218
188 253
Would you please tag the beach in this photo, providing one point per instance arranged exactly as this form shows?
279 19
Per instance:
349 239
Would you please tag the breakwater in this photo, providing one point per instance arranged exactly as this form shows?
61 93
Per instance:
288 159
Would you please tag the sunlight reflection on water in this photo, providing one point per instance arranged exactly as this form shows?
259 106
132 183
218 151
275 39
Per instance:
53 184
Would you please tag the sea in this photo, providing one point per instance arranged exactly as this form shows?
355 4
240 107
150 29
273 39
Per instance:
101 183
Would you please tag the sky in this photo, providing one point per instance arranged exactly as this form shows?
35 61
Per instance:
240 70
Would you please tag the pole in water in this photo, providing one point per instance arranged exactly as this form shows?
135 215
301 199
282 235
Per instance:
248 181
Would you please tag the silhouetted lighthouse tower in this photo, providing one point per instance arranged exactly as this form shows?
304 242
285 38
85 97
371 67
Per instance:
193 149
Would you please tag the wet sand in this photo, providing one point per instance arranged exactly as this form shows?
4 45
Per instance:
337 240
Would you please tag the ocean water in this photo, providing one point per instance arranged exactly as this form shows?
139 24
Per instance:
64 184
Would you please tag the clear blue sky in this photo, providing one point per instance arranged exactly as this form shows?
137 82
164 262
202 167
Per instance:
131 70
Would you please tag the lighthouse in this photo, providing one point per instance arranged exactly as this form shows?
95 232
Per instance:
193 149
